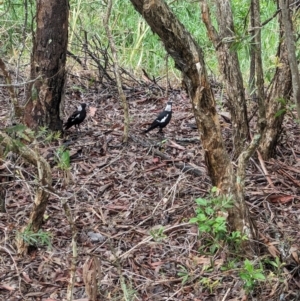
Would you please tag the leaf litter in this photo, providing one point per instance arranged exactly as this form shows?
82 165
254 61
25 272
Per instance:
131 205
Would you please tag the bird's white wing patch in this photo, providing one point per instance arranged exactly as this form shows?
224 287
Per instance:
163 119
76 116
79 108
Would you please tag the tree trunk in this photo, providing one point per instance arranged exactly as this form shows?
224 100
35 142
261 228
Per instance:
291 48
255 10
229 68
48 65
277 98
188 59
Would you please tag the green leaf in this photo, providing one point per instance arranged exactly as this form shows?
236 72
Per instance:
193 220
280 112
214 189
201 202
209 211
16 128
65 157
259 276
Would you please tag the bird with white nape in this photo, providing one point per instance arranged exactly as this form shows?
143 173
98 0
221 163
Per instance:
77 117
162 119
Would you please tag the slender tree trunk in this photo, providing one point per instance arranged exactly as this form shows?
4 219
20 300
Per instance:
48 63
255 9
290 43
229 68
251 82
277 98
117 71
188 59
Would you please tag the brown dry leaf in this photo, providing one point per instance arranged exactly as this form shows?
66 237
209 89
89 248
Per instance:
92 111
90 278
278 198
6 287
156 264
201 260
26 277
156 160
294 252
273 250
206 261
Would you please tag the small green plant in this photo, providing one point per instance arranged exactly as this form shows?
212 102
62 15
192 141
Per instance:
209 283
40 238
63 158
20 131
236 238
211 218
46 135
184 274
230 265
211 215
158 234
251 275
276 264
129 293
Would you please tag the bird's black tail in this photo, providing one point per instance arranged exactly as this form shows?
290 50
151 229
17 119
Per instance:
66 126
149 129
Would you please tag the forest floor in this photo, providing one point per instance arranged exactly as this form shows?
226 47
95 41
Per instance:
131 204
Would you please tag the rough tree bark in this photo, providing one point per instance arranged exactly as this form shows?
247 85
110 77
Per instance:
290 44
229 68
251 81
278 94
259 74
188 59
48 62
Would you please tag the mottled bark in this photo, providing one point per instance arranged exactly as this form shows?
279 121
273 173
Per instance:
255 9
277 97
291 48
229 69
188 59
48 62
16 109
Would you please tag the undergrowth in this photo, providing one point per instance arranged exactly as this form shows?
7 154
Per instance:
138 48
215 237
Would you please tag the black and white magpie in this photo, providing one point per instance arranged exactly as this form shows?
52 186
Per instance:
77 117
162 119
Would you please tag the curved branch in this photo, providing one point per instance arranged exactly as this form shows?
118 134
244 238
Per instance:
44 177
